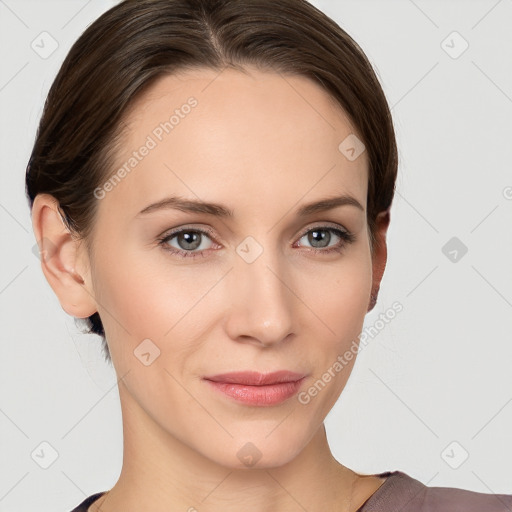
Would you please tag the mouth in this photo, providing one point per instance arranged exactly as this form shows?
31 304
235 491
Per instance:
252 378
258 389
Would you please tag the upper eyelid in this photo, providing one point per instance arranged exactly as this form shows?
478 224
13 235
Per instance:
324 225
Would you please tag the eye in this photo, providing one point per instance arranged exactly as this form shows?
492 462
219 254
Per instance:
188 240
320 237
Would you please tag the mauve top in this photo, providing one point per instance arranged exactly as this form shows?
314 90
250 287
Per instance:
402 493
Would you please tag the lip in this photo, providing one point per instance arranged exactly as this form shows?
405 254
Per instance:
254 388
252 378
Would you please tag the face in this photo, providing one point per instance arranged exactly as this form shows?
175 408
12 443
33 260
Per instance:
185 293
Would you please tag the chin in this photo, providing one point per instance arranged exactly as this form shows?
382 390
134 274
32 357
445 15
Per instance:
257 451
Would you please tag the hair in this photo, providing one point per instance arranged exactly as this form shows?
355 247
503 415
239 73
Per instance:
134 43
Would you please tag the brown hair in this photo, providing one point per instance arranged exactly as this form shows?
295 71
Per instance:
131 45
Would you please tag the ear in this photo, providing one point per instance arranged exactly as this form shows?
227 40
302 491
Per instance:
64 260
380 255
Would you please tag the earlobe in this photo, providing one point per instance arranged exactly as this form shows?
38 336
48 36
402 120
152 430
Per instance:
60 258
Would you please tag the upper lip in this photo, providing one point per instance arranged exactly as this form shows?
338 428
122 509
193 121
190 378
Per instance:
253 378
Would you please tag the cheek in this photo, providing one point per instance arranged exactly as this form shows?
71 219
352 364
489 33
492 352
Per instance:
341 306
339 296
143 296
339 300
134 300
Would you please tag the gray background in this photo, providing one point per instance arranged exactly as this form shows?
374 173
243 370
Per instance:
432 388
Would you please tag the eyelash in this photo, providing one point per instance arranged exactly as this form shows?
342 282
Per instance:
346 238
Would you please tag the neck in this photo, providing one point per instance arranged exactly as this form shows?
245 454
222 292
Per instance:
160 473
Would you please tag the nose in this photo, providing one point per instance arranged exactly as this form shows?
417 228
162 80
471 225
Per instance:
262 301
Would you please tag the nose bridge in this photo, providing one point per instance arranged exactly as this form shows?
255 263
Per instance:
262 303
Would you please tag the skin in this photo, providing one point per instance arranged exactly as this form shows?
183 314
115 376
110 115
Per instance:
262 145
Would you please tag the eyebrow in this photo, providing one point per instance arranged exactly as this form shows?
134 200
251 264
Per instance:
219 210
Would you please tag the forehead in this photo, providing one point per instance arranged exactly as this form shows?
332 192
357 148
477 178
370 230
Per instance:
215 133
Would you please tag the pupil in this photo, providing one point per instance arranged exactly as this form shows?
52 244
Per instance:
324 236
191 238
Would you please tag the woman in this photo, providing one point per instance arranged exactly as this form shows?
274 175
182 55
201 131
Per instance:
210 187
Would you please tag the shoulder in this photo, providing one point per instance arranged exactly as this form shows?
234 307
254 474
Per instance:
82 507
403 492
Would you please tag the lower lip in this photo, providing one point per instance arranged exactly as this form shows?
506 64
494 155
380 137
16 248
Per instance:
271 394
